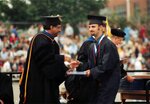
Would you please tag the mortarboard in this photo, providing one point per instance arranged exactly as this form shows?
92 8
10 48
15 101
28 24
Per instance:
51 20
118 32
96 19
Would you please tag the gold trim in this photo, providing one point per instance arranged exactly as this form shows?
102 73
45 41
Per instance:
26 78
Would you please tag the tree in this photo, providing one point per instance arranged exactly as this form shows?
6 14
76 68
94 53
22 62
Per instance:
14 10
73 11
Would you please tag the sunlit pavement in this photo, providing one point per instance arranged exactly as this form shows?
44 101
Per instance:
16 94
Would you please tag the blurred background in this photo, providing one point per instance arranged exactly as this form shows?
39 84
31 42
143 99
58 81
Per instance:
20 21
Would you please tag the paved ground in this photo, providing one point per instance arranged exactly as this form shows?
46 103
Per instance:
16 94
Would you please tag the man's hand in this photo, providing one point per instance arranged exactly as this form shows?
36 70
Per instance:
130 78
124 60
74 64
67 58
1 102
87 73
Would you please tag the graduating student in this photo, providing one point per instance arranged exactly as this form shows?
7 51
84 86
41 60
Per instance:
107 71
117 40
81 89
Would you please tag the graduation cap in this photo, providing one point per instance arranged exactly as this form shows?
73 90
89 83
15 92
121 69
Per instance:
118 32
96 19
53 20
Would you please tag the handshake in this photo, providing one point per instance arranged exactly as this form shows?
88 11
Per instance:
70 63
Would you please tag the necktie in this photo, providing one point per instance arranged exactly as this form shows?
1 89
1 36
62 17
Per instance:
94 51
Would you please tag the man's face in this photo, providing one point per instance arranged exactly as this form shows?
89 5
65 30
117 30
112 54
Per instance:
94 29
118 41
56 29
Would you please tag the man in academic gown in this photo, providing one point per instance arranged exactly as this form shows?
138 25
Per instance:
107 71
84 87
44 69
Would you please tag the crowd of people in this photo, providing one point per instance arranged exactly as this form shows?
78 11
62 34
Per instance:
14 45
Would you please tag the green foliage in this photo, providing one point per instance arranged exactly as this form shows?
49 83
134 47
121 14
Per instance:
14 13
73 11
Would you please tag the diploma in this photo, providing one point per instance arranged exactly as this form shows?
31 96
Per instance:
121 59
76 73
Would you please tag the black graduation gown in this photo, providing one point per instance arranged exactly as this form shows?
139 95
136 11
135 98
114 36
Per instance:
46 72
106 72
77 86
83 54
123 72
6 90
82 86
